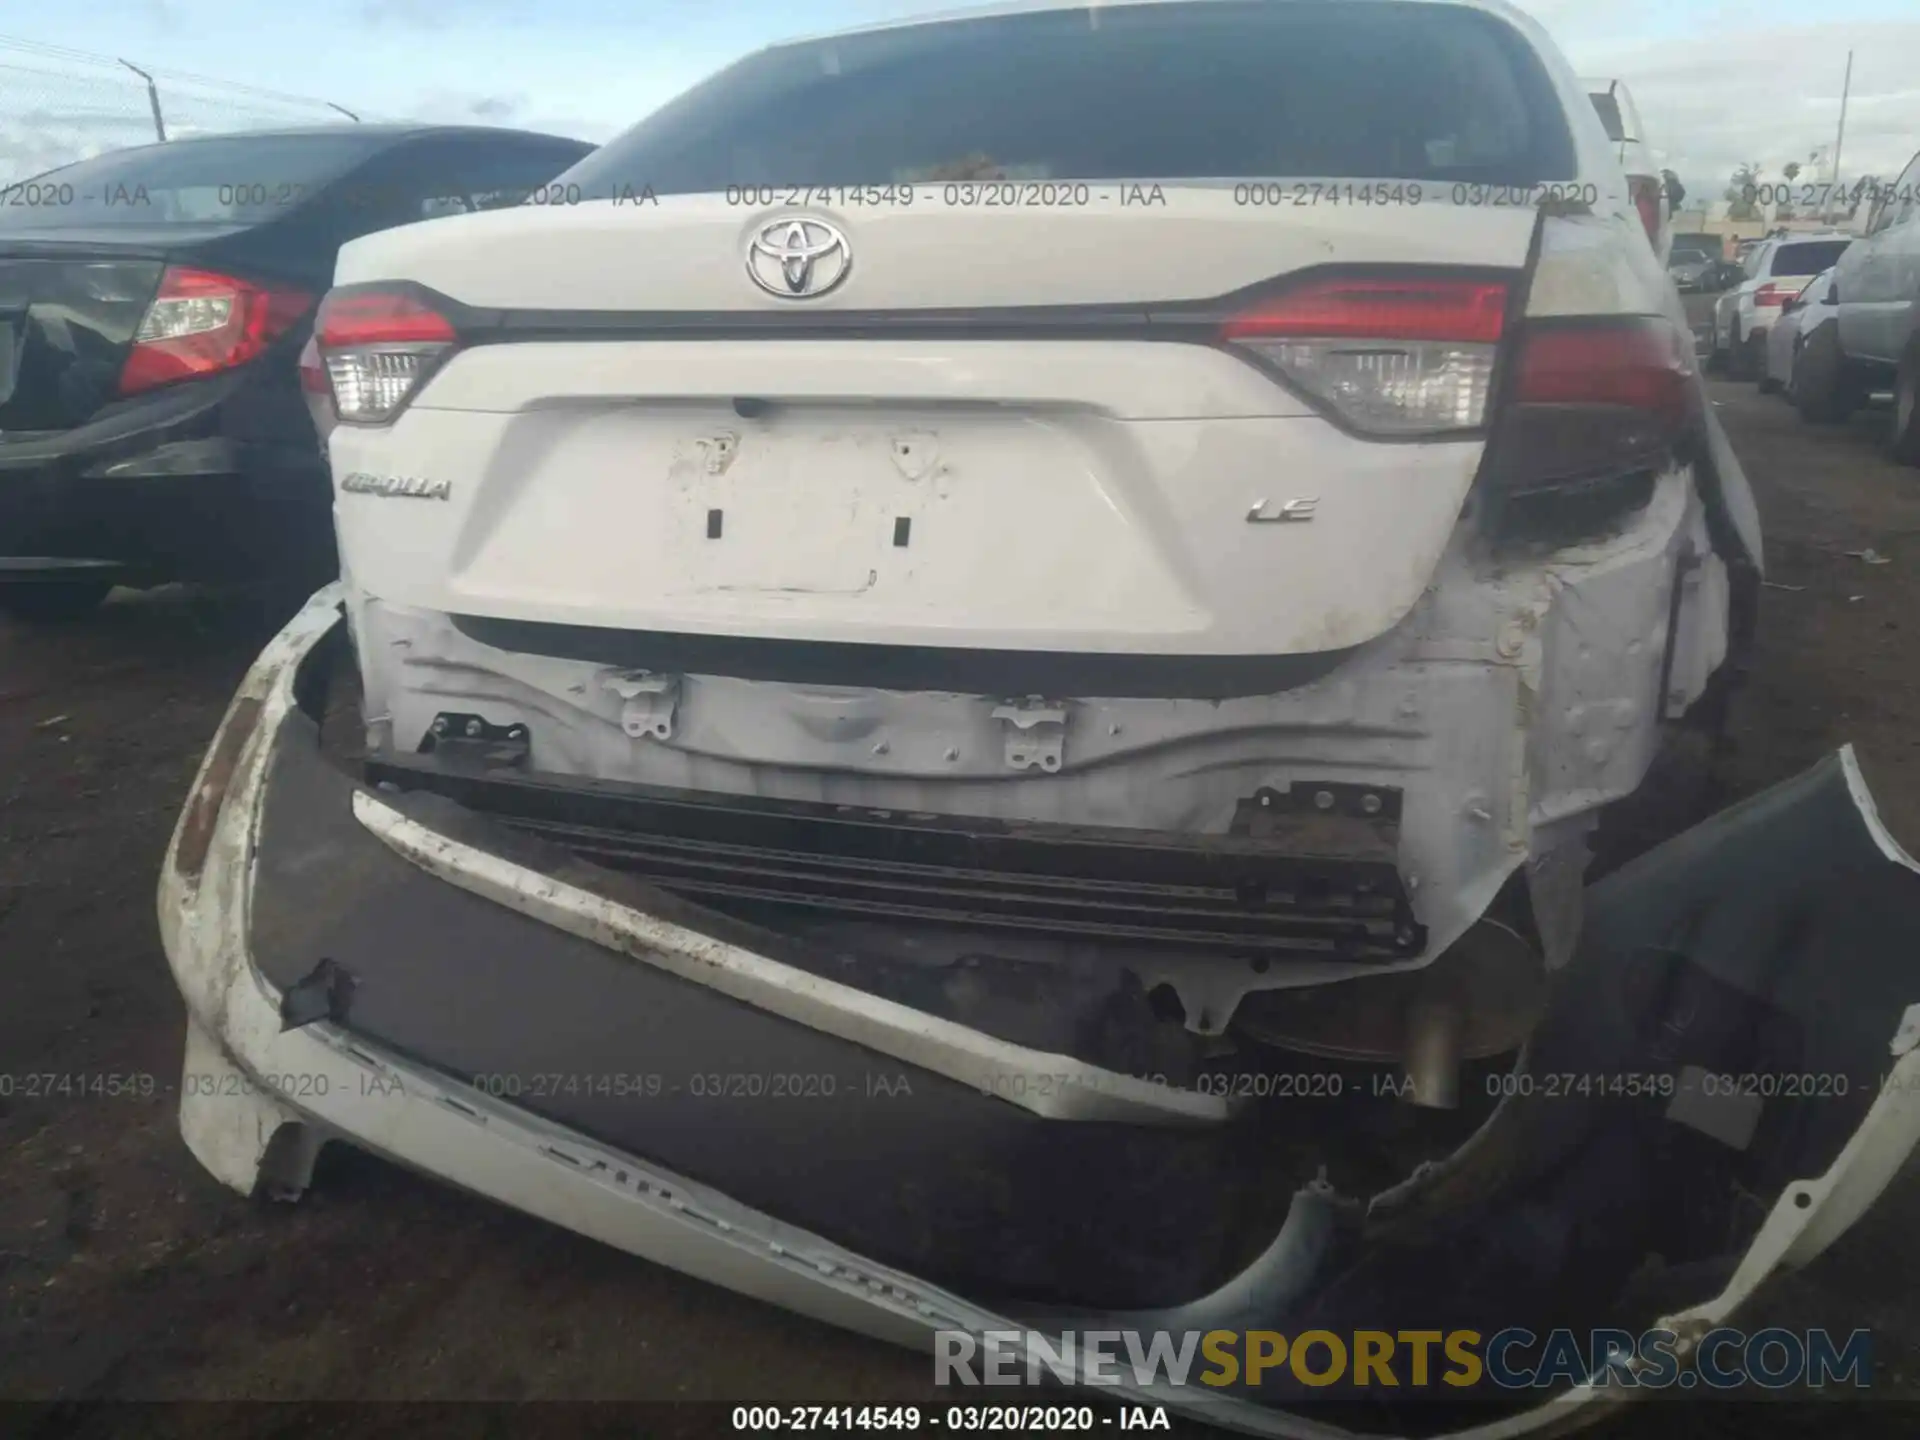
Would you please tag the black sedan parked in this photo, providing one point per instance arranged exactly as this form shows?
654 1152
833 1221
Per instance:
153 305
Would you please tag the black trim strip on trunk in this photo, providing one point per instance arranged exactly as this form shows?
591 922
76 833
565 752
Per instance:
1193 321
1188 322
1002 673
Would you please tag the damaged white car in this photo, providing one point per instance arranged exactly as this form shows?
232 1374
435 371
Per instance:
973 676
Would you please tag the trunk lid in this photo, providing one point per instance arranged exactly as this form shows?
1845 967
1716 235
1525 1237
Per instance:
1014 421
1007 428
593 267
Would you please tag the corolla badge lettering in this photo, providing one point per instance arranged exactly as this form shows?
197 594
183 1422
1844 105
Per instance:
414 487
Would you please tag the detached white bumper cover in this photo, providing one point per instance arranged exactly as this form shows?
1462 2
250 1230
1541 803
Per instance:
1776 940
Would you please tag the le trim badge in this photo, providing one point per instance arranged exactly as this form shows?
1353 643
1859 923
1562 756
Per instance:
1264 512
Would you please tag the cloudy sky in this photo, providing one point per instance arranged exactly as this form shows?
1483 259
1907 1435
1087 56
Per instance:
1718 84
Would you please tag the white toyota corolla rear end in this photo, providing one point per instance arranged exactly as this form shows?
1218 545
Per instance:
1043 574
974 418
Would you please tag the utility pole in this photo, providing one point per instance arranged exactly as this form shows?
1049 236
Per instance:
153 98
1846 85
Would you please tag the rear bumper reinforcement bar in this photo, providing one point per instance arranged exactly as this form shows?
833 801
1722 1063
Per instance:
1311 871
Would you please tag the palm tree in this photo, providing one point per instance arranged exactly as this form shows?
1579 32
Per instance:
1784 209
1742 202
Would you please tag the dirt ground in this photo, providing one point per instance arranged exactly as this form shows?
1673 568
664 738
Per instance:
127 1274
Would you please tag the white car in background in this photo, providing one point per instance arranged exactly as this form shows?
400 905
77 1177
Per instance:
1613 103
1775 270
1799 316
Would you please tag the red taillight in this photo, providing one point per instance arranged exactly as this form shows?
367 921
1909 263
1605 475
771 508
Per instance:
313 375
1647 200
1637 363
1390 356
378 347
319 392
379 317
201 322
1592 400
1471 311
1772 294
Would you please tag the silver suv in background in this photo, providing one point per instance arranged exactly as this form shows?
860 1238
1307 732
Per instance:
1776 270
1876 345
1690 262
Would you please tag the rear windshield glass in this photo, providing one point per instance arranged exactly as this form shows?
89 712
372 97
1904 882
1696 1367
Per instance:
1226 90
1807 258
1609 111
226 180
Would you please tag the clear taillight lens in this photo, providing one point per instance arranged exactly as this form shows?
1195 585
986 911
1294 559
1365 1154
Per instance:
1390 357
176 317
378 348
370 386
1410 388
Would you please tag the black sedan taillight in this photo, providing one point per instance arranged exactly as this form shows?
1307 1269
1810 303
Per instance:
201 322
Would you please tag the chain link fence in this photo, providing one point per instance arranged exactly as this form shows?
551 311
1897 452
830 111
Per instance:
58 106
